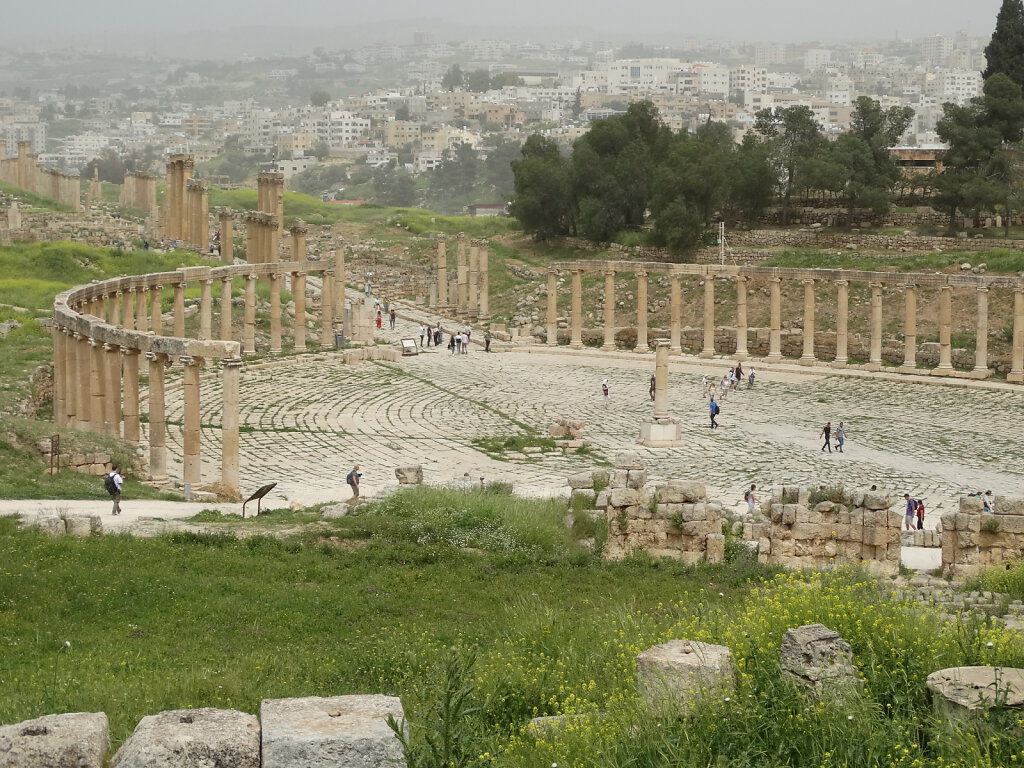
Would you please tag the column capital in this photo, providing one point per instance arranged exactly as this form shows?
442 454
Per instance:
161 357
129 351
775 279
837 282
226 278
231 362
188 360
876 284
641 273
983 288
94 343
910 286
551 270
108 347
253 277
104 296
130 289
741 278
808 280
206 280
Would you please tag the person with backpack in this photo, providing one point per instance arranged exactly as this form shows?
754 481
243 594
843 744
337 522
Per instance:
714 410
353 482
910 513
113 482
751 498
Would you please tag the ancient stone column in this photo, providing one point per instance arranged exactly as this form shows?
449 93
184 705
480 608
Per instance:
661 350
275 314
473 281
227 235
142 308
130 369
842 323
775 322
102 306
249 317
86 382
72 377
299 231
875 352
129 309
462 270
609 310
808 357
981 339
709 317
98 372
945 329
338 288
552 308
191 468
59 377
1016 374
741 317
484 299
206 308
115 308
251 249
202 216
179 308
675 316
156 319
157 418
910 326
442 272
225 308
299 326
187 165
327 310
576 313
112 390
229 422
169 204
642 344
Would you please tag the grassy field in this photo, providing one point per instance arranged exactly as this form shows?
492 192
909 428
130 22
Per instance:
481 612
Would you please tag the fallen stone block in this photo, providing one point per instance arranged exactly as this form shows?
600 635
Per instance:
192 738
73 740
818 657
681 672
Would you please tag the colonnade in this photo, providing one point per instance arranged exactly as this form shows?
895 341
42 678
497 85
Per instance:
270 200
24 171
138 191
102 330
468 294
840 280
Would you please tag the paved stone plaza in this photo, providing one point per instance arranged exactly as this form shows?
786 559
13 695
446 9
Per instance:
305 424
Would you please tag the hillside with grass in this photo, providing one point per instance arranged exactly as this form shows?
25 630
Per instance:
481 611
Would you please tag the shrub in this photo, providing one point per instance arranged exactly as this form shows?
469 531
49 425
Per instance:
990 525
833 493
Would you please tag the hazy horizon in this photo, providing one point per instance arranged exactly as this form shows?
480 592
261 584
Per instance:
131 24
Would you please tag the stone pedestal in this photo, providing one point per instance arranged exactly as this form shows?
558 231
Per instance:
961 692
659 430
680 673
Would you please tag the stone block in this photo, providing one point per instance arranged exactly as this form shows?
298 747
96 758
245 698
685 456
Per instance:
79 526
623 497
73 740
971 504
968 522
689 491
581 480
789 514
192 738
876 500
715 548
602 499
318 732
636 478
334 510
411 475
818 657
1010 523
962 691
680 673
764 546
51 525
600 478
619 478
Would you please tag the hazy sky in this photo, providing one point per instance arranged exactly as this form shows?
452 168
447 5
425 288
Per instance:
662 21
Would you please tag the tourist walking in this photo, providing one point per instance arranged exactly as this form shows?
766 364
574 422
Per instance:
910 513
751 498
739 374
487 341
113 482
724 388
826 432
451 343
713 411
840 437
422 332
353 482
704 385
750 379
392 316
604 390
380 320
988 506
438 335
654 385
920 514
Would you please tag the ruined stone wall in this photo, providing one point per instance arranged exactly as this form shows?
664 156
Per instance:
675 519
818 238
973 541
798 531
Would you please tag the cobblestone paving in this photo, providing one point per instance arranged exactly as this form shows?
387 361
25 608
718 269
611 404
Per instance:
305 424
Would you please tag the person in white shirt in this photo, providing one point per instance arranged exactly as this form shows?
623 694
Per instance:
114 485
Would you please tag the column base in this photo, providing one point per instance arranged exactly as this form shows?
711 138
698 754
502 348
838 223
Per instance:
979 373
741 355
942 370
839 363
1015 377
773 359
608 347
660 433
640 350
706 354
161 480
908 369
872 367
808 361
576 345
675 350
275 351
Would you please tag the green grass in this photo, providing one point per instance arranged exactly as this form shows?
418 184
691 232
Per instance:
1009 580
393 599
31 201
998 261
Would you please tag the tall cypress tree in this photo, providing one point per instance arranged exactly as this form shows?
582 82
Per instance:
1005 52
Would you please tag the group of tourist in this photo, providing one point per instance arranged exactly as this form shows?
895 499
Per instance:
914 514
840 433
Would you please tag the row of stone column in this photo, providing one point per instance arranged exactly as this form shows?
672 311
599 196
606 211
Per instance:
24 171
197 214
808 356
270 200
96 388
138 191
469 293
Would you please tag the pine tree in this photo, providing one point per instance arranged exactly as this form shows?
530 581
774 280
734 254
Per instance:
1005 52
